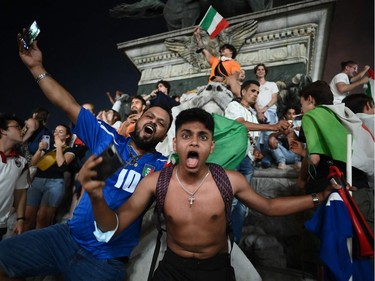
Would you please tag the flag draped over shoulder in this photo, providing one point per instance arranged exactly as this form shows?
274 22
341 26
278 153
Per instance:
213 22
363 140
230 142
326 128
332 224
324 133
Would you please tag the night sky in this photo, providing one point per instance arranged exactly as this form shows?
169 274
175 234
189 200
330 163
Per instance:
79 40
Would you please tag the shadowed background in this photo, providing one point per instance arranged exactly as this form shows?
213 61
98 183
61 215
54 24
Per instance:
78 40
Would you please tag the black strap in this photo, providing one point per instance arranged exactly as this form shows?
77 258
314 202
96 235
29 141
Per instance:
220 70
223 184
161 192
155 256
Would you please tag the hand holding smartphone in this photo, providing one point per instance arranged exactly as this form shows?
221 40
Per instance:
46 139
30 35
112 161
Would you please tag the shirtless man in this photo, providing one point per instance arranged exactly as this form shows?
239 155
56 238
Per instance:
196 231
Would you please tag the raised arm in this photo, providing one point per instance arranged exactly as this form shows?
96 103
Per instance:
360 74
60 97
198 37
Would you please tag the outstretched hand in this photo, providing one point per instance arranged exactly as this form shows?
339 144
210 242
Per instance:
86 177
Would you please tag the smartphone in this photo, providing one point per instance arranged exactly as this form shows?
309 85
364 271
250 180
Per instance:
47 139
112 161
29 35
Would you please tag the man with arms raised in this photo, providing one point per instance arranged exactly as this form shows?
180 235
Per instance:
194 208
79 249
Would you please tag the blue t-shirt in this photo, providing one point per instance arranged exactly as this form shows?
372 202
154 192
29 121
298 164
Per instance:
97 136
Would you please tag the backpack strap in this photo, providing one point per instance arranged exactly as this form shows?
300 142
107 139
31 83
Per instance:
161 192
223 184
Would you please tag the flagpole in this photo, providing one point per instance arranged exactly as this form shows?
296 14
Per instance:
349 180
349 159
205 15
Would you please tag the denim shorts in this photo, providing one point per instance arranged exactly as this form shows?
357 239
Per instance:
45 192
53 251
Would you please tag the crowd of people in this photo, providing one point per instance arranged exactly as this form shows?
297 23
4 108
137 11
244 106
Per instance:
47 175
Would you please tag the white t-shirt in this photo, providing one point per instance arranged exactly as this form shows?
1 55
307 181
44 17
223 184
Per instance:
265 94
13 175
339 78
236 110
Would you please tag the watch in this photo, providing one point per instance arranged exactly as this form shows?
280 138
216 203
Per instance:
199 50
315 199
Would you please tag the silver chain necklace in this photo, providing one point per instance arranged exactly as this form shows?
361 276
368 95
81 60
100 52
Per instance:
191 194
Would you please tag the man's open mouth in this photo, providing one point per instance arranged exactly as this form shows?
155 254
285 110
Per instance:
150 128
192 159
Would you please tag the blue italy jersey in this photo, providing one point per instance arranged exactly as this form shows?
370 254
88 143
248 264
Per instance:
97 136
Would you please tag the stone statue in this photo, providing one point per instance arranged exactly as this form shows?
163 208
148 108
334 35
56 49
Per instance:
186 46
184 13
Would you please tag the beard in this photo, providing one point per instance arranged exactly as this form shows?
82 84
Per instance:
147 145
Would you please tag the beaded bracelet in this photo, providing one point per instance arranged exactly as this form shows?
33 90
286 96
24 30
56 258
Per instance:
41 76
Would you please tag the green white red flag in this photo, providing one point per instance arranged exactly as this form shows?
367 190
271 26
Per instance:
213 22
326 128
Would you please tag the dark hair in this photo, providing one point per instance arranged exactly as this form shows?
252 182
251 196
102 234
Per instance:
260 64
346 63
166 108
231 48
246 84
357 102
115 114
5 118
195 114
296 109
138 97
165 84
320 91
68 132
42 114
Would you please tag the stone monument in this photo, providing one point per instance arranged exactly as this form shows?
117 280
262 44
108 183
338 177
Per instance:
290 40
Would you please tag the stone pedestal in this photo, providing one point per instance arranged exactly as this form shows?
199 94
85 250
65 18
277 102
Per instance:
289 39
279 242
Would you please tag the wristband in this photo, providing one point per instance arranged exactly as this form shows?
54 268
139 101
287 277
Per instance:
20 218
199 50
41 77
315 199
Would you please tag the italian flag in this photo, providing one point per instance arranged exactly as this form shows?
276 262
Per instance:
326 128
370 84
213 22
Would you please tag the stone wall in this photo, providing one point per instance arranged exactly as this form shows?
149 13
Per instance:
279 242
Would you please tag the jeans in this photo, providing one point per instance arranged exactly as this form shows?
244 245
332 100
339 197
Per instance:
283 155
46 192
52 251
272 118
239 210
